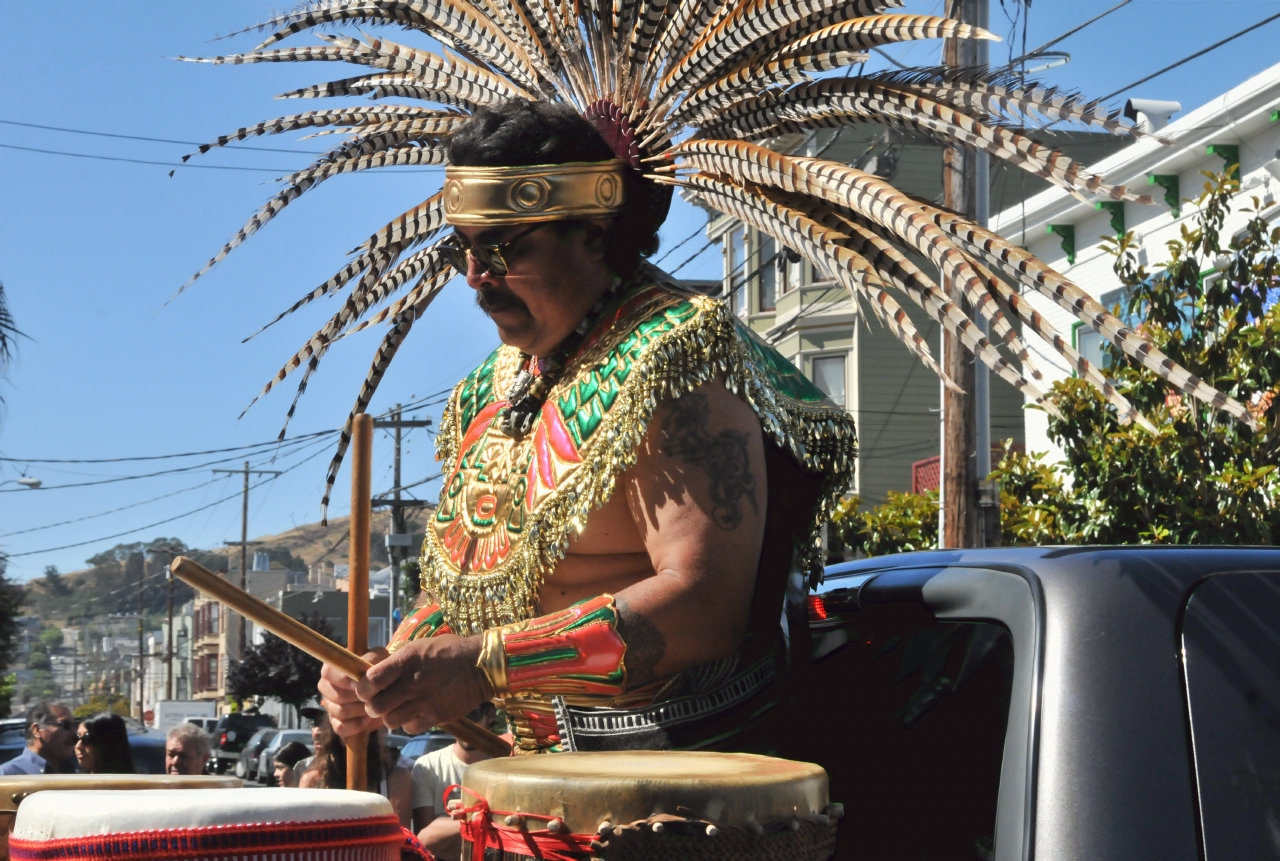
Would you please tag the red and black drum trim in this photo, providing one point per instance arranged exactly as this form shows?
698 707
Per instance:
368 839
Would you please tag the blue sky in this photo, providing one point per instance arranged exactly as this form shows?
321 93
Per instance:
90 250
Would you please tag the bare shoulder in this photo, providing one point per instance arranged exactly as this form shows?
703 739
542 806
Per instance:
712 439
310 779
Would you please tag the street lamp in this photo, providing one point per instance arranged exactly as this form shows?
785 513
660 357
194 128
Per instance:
25 481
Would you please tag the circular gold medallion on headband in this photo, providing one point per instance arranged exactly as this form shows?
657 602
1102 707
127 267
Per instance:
529 195
607 190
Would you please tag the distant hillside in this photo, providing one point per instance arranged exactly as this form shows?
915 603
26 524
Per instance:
110 584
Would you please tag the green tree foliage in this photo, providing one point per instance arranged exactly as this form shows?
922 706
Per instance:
110 585
50 637
907 521
115 703
38 659
8 687
12 598
1203 478
277 669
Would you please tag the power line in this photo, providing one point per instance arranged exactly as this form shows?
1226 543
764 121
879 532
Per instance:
235 495
154 140
168 164
1191 57
1027 55
112 511
175 165
169 456
119 478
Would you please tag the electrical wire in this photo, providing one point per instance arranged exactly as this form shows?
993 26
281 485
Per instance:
234 146
255 445
112 511
167 519
1191 57
119 478
175 166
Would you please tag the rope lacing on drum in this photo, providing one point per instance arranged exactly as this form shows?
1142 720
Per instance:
512 834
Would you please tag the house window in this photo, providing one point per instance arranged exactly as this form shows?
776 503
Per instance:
828 375
789 268
769 259
735 271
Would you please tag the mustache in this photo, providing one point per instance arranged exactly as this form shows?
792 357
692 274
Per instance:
493 300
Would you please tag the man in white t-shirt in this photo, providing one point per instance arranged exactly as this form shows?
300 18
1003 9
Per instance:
432 775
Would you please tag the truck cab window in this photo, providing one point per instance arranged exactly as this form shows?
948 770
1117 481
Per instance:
915 738
1231 657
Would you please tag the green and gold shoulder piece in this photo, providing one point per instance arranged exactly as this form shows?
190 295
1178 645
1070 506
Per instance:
509 506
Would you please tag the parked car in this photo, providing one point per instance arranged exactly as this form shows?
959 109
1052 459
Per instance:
428 742
247 766
266 770
206 724
230 735
13 737
1049 703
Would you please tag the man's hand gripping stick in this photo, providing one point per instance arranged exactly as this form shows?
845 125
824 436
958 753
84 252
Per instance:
316 645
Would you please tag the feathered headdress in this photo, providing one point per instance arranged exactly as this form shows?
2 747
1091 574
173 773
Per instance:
688 91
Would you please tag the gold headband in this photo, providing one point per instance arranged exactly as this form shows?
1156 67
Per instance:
543 192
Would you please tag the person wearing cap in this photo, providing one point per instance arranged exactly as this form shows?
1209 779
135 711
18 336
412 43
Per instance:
627 479
319 720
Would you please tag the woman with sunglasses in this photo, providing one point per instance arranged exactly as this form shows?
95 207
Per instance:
102 746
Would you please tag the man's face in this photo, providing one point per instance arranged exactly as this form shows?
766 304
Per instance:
553 280
182 758
55 741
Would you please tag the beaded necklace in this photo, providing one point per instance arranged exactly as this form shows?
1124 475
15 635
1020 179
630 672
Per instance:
529 391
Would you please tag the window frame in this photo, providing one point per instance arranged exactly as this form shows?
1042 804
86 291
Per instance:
817 355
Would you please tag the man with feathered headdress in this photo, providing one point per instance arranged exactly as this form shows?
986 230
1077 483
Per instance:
628 478
632 476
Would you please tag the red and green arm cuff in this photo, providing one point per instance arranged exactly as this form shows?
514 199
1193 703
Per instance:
426 621
576 651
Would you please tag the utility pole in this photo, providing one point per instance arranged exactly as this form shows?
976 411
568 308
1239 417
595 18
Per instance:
960 467
244 534
398 538
142 667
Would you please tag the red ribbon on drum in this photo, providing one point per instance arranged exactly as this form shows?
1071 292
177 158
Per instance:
550 844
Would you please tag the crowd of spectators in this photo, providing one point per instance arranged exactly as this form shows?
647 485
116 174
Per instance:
416 789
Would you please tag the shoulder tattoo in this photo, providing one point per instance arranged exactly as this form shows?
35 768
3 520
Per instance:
723 457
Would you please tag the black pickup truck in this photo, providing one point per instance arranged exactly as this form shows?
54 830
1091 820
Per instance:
1049 703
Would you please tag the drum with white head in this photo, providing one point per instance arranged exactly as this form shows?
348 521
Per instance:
206 825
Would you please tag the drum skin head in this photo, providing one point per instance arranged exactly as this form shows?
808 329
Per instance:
15 788
621 787
55 815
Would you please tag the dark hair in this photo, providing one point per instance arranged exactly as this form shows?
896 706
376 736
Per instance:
518 132
291 754
331 759
42 713
109 739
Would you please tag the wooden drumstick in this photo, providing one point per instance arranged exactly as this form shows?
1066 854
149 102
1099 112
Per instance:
358 578
316 645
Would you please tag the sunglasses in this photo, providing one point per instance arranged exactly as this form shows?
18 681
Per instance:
490 257
83 736
66 723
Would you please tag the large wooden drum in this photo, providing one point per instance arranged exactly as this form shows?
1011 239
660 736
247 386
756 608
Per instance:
206 825
652 805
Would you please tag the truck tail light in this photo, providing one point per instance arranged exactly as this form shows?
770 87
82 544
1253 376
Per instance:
817 608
